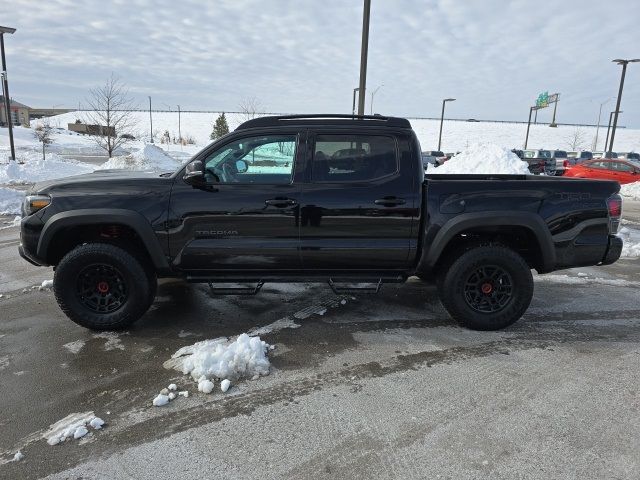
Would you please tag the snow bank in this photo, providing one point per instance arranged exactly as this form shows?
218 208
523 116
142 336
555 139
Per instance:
34 169
631 191
72 426
148 158
223 358
483 158
631 239
10 201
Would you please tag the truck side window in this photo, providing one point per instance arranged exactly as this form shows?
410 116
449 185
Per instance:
353 158
264 159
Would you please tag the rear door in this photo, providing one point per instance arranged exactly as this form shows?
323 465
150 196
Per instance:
359 200
247 215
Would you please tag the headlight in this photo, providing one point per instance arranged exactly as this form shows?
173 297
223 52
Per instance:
33 203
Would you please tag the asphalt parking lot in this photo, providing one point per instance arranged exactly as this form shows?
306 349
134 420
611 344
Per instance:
384 386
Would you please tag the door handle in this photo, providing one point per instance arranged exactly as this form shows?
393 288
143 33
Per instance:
390 201
280 202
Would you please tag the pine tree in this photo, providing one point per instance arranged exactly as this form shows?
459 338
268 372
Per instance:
220 128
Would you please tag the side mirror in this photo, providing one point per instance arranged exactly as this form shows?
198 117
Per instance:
194 174
242 166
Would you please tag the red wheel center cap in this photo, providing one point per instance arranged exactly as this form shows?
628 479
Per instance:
103 287
486 288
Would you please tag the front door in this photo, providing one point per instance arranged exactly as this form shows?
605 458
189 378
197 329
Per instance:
359 203
247 215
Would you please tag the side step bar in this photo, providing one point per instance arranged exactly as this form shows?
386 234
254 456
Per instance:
371 287
235 290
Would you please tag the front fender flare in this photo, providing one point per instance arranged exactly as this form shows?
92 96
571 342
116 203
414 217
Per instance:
98 216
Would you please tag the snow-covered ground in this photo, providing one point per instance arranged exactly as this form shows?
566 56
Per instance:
456 135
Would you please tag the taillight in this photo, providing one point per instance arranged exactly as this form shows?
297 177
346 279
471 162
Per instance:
614 208
565 163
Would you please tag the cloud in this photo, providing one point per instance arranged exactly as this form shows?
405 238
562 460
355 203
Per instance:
303 56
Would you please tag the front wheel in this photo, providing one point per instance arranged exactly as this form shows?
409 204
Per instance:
103 287
486 288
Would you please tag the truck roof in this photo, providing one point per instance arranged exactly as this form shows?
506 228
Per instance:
326 119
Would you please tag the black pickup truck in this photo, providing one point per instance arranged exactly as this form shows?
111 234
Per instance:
332 198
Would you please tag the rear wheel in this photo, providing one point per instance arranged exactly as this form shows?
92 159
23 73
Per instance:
103 287
486 288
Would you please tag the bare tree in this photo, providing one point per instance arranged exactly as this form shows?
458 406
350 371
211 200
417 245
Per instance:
577 139
250 107
43 133
110 107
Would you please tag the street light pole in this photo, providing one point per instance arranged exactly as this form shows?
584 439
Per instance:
624 64
608 130
353 108
442 119
363 56
150 120
373 94
595 142
179 130
526 139
5 88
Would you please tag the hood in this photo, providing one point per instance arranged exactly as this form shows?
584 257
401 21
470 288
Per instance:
103 180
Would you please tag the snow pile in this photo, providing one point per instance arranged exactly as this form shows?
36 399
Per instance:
34 169
72 426
160 400
483 158
631 190
168 394
222 358
631 245
148 158
204 385
18 456
10 201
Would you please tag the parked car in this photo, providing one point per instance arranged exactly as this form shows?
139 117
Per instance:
433 157
633 156
540 161
581 156
368 218
605 155
519 153
561 159
622 171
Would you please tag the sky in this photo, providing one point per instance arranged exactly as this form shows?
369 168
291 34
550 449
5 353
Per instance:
303 56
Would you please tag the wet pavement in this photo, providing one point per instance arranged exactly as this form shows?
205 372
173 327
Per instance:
378 386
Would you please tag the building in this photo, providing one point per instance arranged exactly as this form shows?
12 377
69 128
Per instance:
19 113
92 129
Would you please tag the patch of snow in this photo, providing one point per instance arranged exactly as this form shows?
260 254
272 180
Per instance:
96 423
71 426
34 169
148 158
225 384
10 201
184 393
172 387
205 386
18 456
112 340
74 347
631 191
280 324
46 284
160 400
223 358
570 280
631 242
483 158
172 396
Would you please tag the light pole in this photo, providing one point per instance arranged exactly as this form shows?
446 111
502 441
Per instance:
373 94
179 131
555 107
363 56
595 142
150 120
526 138
5 88
442 119
608 130
615 118
353 108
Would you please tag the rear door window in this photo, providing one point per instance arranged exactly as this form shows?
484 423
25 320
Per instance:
353 158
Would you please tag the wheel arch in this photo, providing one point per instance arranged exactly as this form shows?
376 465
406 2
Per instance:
67 222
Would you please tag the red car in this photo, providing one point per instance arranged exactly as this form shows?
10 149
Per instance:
622 171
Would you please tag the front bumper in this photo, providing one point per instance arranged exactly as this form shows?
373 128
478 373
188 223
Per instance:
28 258
613 250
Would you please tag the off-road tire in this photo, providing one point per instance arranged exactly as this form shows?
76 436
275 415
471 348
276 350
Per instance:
464 303
133 281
